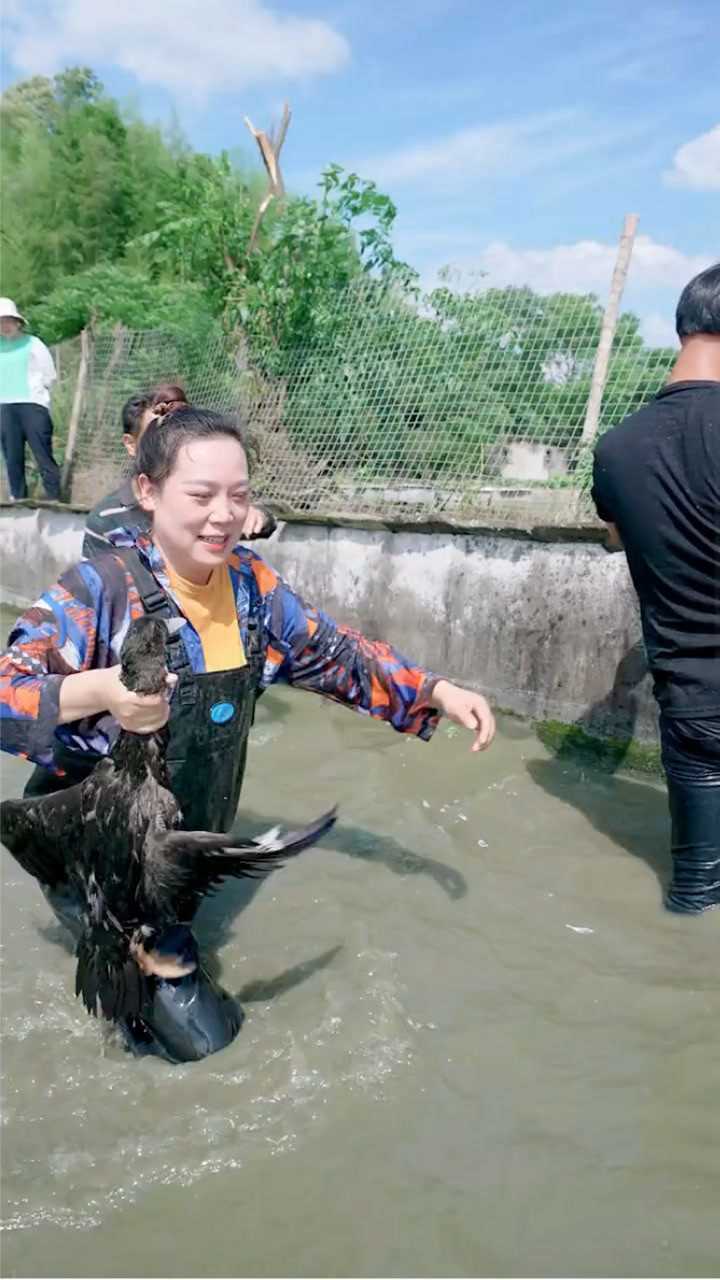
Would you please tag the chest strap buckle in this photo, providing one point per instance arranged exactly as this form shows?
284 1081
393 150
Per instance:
156 601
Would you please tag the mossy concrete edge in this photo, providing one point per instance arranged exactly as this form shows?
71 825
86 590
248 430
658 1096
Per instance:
608 754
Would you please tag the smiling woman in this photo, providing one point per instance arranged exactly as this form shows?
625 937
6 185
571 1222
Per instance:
238 628
121 508
194 482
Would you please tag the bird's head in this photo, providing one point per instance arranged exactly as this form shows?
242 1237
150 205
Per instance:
142 657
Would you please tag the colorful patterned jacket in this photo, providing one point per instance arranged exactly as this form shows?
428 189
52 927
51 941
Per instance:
80 623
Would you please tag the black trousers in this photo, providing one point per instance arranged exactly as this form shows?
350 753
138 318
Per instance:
691 759
28 424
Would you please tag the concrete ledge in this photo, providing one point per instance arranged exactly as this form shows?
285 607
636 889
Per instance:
579 532
585 529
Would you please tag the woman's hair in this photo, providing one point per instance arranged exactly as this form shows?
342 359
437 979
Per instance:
132 412
162 398
166 397
161 442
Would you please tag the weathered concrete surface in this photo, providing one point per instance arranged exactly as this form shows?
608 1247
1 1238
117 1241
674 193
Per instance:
546 629
549 630
36 544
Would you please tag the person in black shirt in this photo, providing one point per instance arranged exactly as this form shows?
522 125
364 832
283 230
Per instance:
120 508
657 485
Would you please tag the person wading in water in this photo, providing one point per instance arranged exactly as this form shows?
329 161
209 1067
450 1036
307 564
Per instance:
657 485
61 696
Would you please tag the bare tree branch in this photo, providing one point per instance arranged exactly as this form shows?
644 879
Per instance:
270 149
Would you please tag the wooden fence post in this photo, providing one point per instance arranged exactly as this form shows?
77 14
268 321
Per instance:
607 332
76 411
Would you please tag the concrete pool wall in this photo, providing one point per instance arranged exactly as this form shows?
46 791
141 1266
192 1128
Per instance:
544 622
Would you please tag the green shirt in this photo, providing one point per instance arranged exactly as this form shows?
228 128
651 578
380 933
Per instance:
15 369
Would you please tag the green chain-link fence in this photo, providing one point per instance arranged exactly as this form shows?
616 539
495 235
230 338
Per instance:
457 406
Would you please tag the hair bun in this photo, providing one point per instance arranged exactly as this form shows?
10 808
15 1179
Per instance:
166 407
165 398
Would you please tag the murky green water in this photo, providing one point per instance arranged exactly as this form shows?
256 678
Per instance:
475 1044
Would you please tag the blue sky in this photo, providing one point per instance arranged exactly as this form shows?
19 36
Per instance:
513 137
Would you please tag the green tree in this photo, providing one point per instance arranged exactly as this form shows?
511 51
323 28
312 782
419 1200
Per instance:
85 187
106 220
439 386
110 294
285 291
78 182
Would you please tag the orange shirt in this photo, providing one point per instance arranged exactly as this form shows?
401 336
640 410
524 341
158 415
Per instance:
211 609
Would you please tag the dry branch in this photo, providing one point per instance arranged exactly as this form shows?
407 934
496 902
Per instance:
270 148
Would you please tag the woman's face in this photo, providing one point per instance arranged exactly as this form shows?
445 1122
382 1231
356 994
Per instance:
199 511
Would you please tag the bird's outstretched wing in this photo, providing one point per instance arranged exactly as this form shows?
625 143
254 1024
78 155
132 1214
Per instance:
43 833
182 864
107 976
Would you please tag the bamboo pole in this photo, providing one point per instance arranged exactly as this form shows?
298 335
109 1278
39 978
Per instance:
76 411
607 332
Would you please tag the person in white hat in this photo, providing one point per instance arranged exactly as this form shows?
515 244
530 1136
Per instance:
26 374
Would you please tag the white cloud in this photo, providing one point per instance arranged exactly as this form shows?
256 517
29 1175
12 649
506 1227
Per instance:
658 330
550 144
583 267
514 146
191 47
697 163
